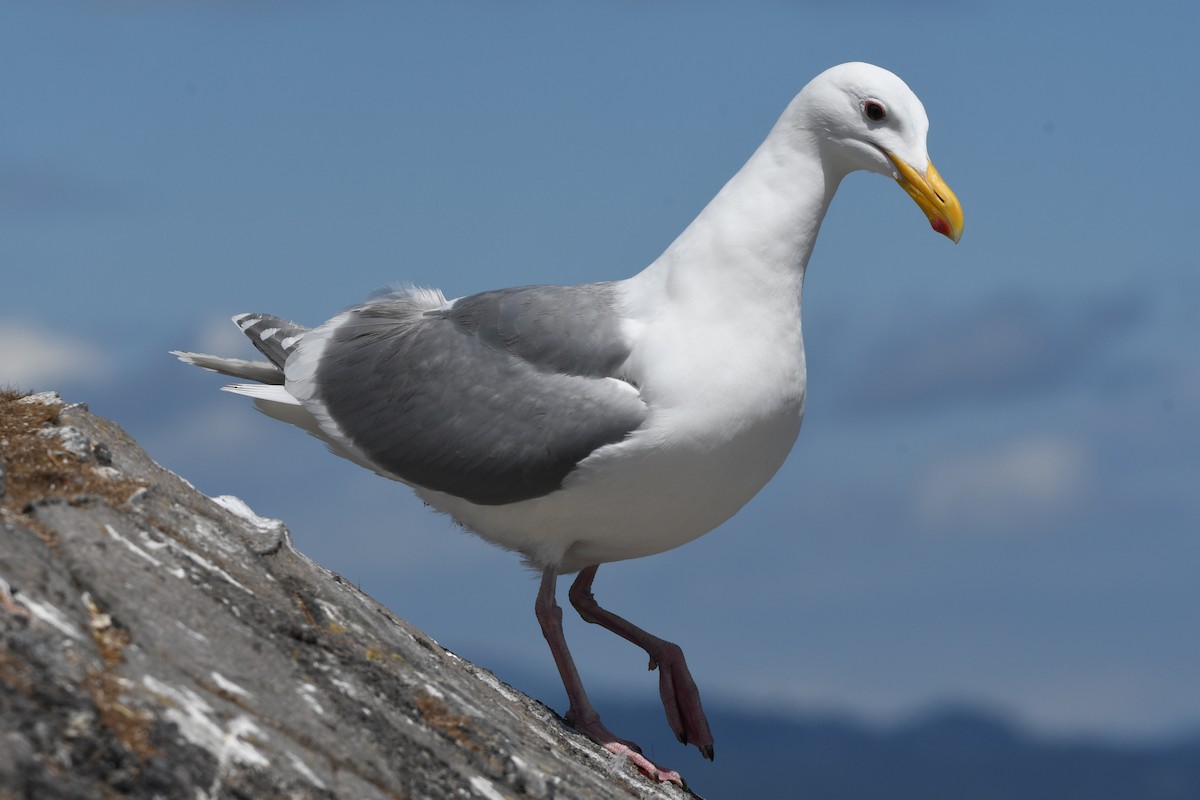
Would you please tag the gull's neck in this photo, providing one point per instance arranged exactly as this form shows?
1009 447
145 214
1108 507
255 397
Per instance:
751 244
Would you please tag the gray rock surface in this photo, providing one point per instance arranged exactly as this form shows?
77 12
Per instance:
155 642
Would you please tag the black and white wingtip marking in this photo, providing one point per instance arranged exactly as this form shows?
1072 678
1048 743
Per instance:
274 337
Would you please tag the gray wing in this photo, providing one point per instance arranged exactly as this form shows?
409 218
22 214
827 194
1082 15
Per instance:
572 330
495 398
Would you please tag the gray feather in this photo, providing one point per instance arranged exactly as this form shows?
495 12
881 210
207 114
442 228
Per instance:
494 399
567 329
261 371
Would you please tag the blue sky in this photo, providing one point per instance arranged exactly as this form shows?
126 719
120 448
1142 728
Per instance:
995 494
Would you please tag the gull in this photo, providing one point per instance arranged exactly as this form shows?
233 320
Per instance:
581 425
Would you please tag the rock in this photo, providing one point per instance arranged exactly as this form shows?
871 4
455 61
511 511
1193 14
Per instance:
155 642
70 439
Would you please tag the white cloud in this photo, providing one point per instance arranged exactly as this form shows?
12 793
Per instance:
1009 487
35 357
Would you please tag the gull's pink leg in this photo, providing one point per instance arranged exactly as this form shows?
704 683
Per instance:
581 715
680 697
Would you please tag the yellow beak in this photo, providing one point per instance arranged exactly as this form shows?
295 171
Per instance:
933 196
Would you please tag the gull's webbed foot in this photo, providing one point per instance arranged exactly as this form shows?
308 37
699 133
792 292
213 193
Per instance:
599 733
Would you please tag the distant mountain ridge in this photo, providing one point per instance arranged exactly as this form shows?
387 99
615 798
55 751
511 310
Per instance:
953 753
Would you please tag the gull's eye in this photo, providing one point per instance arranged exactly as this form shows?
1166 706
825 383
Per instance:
874 111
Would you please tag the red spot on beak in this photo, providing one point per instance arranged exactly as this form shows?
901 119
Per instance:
941 226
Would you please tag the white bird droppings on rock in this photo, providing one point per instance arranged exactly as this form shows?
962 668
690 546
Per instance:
237 507
42 398
71 439
114 534
303 768
309 692
485 788
51 616
494 682
227 685
195 719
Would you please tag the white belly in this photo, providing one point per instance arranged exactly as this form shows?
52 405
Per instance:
655 491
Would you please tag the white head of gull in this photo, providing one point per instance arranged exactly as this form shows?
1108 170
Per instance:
579 425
